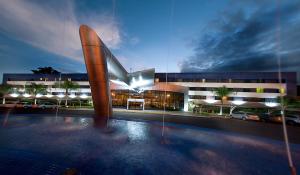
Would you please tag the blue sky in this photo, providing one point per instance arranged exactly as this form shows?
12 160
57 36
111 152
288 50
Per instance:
169 35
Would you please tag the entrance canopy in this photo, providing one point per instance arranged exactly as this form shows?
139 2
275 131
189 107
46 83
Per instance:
136 100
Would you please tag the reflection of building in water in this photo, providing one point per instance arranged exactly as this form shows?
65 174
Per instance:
249 88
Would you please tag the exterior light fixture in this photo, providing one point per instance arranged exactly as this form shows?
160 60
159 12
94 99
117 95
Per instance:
49 95
26 95
72 96
38 95
238 102
84 96
14 95
210 100
60 95
271 104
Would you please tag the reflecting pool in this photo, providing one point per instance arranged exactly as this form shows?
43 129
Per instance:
35 144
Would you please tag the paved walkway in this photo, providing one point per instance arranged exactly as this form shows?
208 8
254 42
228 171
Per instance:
181 113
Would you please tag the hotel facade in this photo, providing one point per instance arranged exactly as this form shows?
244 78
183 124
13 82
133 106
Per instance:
178 91
109 85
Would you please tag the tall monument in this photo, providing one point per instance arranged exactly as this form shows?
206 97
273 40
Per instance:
95 57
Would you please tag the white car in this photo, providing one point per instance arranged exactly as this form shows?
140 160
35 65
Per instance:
245 116
47 105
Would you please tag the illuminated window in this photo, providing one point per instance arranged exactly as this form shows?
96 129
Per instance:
259 90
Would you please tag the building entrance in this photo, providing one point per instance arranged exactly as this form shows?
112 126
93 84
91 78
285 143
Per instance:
137 104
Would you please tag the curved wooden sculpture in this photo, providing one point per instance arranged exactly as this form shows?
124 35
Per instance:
95 57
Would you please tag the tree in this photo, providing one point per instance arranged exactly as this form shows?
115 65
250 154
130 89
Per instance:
4 90
35 89
67 85
287 102
223 93
45 70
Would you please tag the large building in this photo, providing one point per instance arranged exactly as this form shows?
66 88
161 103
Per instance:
109 84
176 90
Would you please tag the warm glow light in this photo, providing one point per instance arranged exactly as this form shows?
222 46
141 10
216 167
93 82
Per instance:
238 102
26 95
60 95
210 100
38 95
83 96
271 104
49 95
14 95
72 96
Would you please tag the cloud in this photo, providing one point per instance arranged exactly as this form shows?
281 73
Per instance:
249 41
53 26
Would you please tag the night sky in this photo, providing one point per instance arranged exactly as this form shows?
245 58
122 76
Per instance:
169 35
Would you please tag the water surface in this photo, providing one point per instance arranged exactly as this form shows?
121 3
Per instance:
33 144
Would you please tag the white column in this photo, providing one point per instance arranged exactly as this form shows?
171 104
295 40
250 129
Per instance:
186 102
143 106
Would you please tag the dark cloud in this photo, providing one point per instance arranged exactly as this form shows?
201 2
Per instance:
249 41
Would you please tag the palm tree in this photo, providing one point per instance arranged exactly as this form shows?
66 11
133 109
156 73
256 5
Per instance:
35 89
4 90
223 93
285 102
67 85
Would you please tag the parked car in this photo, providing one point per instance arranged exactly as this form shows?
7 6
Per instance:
28 105
245 116
47 105
291 118
23 105
274 116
